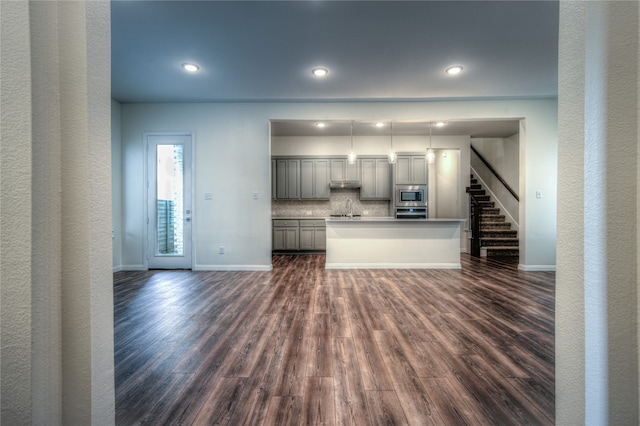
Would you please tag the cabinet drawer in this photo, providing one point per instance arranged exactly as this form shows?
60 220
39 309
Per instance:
285 222
312 222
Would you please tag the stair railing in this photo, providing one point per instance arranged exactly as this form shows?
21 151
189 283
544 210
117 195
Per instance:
496 174
475 210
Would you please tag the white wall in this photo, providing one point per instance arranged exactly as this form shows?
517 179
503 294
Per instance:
232 152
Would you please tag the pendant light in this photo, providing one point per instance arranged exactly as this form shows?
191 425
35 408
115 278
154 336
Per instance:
392 154
431 154
352 154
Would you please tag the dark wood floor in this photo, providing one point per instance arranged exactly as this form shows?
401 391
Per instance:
303 345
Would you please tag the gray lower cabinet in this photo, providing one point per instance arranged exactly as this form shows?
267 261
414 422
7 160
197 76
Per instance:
313 234
299 235
375 179
285 234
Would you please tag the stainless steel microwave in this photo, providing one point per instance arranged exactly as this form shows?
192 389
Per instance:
411 195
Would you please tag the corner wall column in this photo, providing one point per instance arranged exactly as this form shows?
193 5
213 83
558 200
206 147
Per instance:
597 246
55 207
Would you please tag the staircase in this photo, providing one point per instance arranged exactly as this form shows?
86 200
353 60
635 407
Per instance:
496 236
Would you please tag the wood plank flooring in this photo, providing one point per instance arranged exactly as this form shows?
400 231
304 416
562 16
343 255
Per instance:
302 345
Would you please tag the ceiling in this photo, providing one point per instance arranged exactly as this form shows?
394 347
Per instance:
263 51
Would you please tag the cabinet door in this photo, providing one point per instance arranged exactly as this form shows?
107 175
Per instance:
291 238
321 179
403 170
273 179
279 238
307 179
368 181
383 179
320 238
419 170
281 179
293 179
338 169
353 170
306 238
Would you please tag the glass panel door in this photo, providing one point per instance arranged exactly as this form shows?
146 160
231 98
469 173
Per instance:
169 202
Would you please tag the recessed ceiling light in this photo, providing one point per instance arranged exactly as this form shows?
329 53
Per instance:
379 124
190 67
440 124
320 72
456 69
320 125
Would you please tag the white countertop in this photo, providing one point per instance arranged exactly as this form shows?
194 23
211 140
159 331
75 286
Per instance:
386 219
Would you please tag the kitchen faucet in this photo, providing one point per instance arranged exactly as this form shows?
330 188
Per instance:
349 208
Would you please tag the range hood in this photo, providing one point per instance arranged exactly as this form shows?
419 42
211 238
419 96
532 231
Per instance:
344 184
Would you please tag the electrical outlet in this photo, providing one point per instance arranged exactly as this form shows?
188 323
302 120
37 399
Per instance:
365 212
308 212
221 250
208 196
255 195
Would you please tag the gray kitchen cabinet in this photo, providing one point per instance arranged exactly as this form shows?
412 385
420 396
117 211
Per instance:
342 170
286 234
314 179
375 179
274 187
411 170
287 179
313 234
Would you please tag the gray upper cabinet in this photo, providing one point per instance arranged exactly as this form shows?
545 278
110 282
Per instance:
314 179
375 179
411 170
274 187
287 179
342 170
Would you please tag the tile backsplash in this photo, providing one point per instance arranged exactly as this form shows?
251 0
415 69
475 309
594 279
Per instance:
337 204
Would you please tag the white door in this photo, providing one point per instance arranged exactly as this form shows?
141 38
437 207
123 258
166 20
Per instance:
169 209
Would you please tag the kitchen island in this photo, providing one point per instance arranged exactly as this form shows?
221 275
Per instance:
389 243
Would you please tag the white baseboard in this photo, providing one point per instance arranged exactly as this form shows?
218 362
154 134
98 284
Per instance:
232 268
393 266
117 268
537 268
133 268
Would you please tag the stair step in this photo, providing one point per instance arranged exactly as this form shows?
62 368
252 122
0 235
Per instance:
498 233
484 217
487 204
489 211
502 252
477 192
486 226
499 242
475 186
482 198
